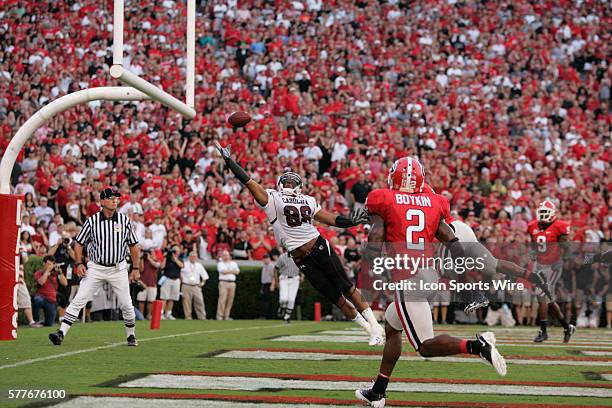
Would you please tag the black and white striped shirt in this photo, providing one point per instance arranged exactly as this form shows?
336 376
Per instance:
107 238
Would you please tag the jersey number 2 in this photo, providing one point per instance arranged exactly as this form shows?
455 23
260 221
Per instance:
418 226
296 217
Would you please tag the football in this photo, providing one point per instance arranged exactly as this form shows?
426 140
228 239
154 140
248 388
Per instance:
239 119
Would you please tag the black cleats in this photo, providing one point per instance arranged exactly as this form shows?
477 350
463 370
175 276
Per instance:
56 337
542 336
567 333
369 396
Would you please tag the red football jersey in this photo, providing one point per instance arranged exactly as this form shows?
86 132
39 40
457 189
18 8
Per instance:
547 254
411 222
410 218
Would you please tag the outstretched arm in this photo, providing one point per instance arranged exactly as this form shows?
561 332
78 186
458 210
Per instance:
359 216
605 257
258 192
445 233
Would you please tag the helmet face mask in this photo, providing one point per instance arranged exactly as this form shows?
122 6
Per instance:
289 183
546 211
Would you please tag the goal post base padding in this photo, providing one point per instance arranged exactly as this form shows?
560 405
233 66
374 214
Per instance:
10 221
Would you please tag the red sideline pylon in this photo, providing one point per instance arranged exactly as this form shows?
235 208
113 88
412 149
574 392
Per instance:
317 312
156 314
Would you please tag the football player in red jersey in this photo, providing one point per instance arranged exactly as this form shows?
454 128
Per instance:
406 213
544 230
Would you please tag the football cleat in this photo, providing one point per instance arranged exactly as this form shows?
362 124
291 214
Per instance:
567 333
371 398
56 337
489 352
377 336
542 335
479 301
131 341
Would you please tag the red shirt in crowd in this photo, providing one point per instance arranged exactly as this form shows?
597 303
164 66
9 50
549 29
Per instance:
49 289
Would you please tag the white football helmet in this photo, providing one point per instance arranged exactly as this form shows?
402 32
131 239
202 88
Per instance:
289 177
546 211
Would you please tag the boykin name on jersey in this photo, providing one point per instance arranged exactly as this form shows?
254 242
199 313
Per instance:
421 201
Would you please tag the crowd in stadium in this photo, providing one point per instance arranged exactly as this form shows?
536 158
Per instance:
506 104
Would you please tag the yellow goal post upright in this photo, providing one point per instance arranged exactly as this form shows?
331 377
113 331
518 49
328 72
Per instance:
10 205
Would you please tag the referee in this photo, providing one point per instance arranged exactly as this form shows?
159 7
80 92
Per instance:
107 234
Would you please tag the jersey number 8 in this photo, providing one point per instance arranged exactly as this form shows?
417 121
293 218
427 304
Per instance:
296 217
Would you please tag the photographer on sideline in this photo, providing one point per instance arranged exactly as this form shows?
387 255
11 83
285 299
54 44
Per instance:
170 286
148 277
64 255
48 280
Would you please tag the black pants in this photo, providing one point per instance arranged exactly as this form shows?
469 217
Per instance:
267 299
325 271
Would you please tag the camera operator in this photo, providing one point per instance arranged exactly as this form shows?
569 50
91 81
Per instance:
148 277
170 287
64 256
48 280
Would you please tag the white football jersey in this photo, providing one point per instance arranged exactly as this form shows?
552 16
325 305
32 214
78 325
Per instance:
291 218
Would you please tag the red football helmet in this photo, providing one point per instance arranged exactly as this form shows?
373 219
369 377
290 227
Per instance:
407 174
546 211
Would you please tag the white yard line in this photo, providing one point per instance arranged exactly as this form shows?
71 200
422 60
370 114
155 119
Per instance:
316 338
123 402
597 353
203 382
286 355
123 343
505 336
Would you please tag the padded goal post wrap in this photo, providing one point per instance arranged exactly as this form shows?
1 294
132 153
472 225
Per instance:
10 221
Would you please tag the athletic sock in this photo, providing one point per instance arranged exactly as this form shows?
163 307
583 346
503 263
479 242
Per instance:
543 324
288 314
471 347
564 323
64 328
67 321
362 322
380 385
130 331
369 315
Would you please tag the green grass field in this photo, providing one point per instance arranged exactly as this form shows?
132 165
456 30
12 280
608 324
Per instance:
95 360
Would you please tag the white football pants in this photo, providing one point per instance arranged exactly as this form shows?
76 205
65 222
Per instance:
117 277
288 288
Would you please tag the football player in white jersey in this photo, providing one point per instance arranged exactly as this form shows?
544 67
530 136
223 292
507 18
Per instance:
291 214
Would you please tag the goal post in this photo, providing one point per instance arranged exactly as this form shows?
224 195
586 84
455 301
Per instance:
138 89
10 205
119 72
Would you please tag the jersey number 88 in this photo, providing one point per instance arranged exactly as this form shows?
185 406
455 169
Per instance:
296 217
